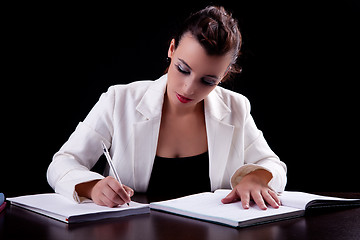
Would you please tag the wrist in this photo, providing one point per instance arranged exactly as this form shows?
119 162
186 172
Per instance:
262 176
85 189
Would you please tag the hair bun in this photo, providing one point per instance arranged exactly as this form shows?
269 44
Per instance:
216 30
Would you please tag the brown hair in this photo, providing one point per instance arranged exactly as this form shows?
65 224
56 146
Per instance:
217 32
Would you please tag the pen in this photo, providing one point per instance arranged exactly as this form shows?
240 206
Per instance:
108 158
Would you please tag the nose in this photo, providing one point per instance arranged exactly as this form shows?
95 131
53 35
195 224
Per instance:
189 87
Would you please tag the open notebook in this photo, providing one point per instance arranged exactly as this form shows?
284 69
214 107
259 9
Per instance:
207 206
57 206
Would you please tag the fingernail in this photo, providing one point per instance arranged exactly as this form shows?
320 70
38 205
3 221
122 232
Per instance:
246 206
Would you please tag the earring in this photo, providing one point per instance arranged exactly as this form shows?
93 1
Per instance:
168 60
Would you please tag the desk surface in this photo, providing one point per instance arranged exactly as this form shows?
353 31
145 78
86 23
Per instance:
16 223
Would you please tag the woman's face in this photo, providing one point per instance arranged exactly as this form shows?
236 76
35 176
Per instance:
192 73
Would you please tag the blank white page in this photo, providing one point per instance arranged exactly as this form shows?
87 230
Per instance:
208 206
301 199
59 207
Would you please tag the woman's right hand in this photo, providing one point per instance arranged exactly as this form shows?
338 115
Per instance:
105 192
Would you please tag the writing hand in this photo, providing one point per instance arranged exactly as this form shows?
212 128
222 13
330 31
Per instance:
254 186
106 192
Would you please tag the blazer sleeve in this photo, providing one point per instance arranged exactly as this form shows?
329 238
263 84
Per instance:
72 163
258 155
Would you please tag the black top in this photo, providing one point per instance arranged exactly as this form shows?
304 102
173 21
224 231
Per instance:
177 177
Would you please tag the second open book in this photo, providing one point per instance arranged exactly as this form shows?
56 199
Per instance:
207 206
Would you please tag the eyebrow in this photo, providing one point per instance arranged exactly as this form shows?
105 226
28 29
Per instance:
187 65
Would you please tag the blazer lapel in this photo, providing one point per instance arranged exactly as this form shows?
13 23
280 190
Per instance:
146 132
145 137
219 136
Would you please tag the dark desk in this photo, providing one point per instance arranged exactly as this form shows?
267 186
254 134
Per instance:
16 223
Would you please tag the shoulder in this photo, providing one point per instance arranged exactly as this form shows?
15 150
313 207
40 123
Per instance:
233 100
136 90
138 87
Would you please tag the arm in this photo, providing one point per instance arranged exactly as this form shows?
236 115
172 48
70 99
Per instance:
263 174
69 173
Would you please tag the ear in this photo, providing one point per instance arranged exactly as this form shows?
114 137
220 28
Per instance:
171 48
227 70
226 74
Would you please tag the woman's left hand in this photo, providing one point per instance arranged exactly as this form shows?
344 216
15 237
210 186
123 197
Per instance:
254 186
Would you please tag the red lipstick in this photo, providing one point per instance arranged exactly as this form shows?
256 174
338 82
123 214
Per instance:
183 99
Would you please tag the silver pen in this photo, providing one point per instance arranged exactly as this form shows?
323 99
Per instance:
108 158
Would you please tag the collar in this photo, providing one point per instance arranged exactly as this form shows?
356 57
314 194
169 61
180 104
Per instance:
215 106
151 103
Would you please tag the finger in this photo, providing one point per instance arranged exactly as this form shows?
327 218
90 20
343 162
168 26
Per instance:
275 197
105 201
111 197
231 197
98 201
121 195
129 190
258 199
269 199
245 199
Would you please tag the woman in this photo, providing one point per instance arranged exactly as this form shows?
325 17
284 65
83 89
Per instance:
179 134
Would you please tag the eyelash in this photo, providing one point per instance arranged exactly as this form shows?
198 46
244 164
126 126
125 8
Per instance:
188 73
181 70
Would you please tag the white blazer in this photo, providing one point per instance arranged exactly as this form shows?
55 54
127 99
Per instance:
127 118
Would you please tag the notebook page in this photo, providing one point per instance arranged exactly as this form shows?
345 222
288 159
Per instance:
56 203
301 199
209 206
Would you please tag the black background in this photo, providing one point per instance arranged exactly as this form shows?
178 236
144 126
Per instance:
300 72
